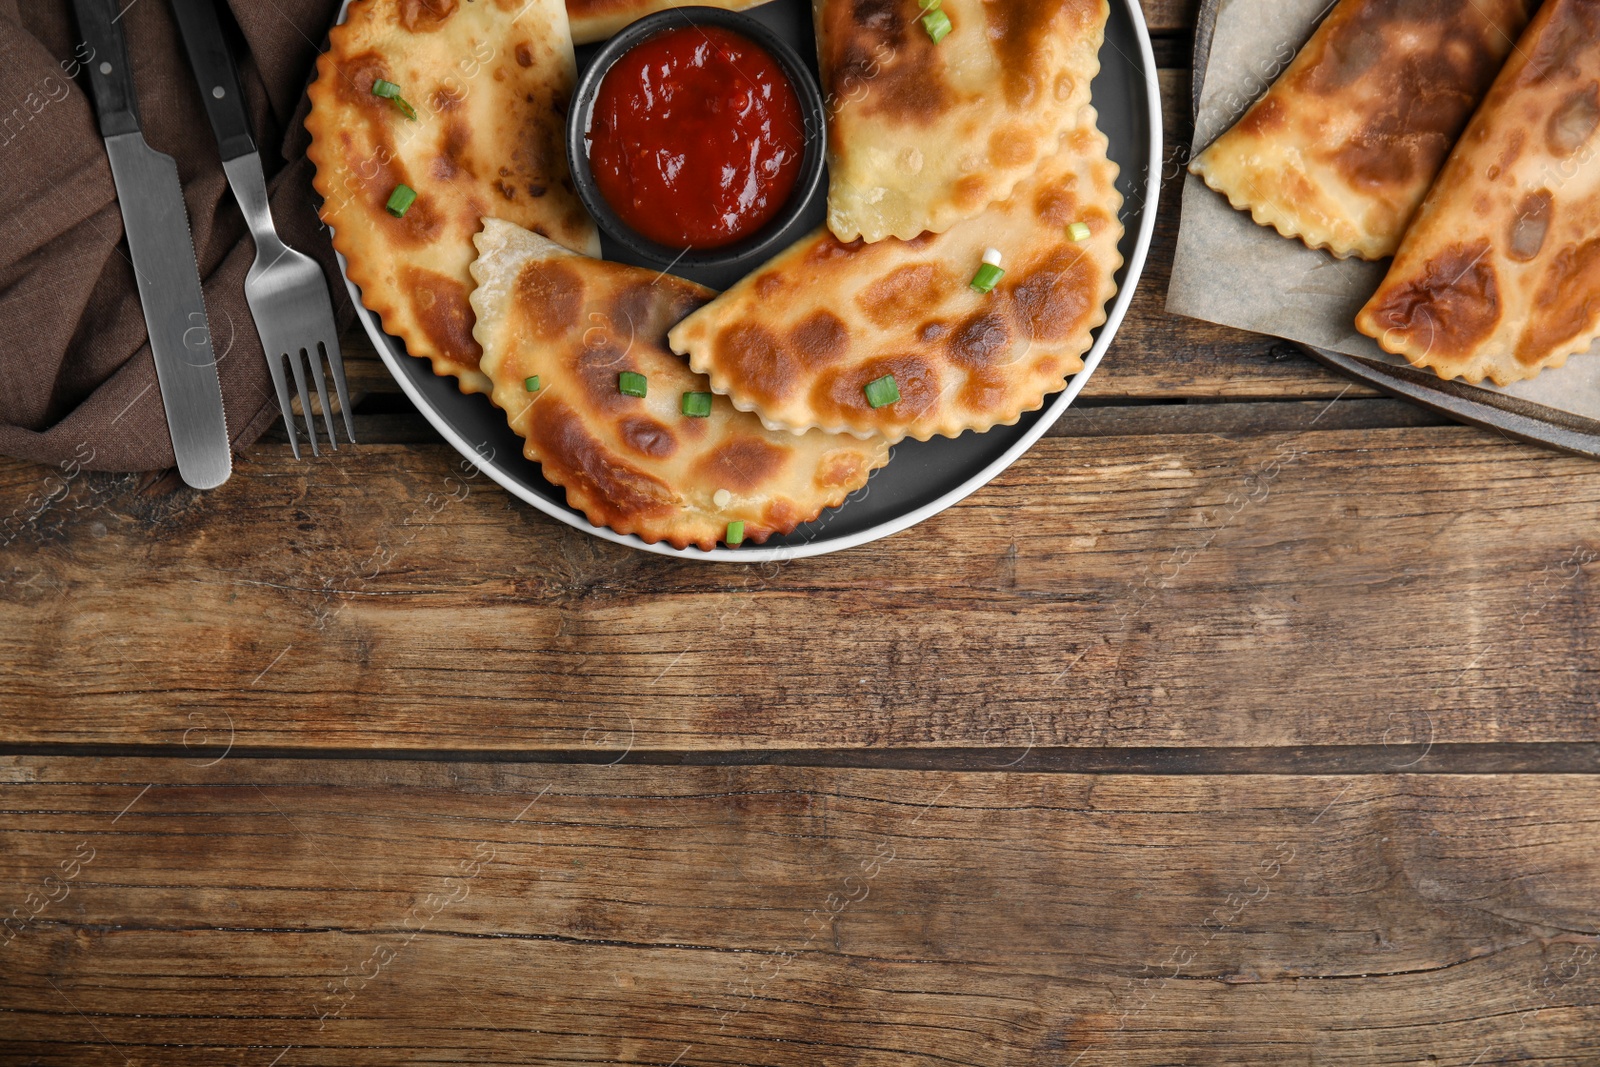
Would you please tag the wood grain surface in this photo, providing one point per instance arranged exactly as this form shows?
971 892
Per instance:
334 912
1429 585
1169 16
1251 718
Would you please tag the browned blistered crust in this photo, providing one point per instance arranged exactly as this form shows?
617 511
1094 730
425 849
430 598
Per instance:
638 465
595 20
1499 277
923 135
489 80
1342 149
799 339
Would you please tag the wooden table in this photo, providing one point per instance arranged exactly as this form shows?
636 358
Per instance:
1251 718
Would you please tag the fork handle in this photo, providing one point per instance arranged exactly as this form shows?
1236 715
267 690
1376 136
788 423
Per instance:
249 187
218 75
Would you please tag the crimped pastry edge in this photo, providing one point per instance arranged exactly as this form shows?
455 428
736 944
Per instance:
468 381
1270 215
1483 365
937 225
634 529
721 384
950 218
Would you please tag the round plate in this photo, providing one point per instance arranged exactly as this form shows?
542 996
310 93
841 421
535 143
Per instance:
923 477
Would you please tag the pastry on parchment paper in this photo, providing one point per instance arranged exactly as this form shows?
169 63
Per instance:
1499 277
560 331
923 134
473 126
1342 149
808 339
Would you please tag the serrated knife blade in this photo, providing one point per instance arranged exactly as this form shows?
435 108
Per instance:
156 223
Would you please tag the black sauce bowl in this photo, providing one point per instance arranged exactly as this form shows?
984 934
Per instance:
580 114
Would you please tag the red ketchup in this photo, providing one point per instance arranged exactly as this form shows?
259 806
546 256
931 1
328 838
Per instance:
697 137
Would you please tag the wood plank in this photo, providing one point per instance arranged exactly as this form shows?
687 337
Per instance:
1156 356
331 912
1225 418
1167 17
1427 585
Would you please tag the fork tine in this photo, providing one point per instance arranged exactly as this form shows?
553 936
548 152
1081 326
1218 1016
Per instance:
295 361
314 354
336 364
275 364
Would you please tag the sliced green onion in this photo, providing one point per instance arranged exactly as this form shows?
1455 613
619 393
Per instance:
630 383
531 384
697 405
400 200
391 91
987 276
735 535
929 5
937 23
882 392
1078 231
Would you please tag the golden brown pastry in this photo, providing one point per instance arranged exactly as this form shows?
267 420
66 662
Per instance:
801 339
595 20
488 81
921 134
1500 275
559 330
1343 147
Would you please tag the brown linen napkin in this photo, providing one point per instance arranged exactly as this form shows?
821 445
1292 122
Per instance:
76 375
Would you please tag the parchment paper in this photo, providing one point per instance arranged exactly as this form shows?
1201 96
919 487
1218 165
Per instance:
1229 270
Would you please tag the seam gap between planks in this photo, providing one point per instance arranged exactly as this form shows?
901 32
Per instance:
1582 758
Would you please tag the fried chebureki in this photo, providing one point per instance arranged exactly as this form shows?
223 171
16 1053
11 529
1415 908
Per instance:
800 340
595 20
559 330
1342 149
923 134
1500 275
488 83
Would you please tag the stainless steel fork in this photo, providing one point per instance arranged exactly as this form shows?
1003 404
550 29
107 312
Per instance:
287 291
288 298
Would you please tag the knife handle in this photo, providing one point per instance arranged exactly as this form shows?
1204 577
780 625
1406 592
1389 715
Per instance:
218 75
110 72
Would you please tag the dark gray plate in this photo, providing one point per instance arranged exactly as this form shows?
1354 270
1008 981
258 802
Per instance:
923 478
1511 415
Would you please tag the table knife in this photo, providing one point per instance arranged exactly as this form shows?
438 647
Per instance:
157 226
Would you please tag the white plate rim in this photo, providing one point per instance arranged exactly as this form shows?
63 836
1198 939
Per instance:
783 553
